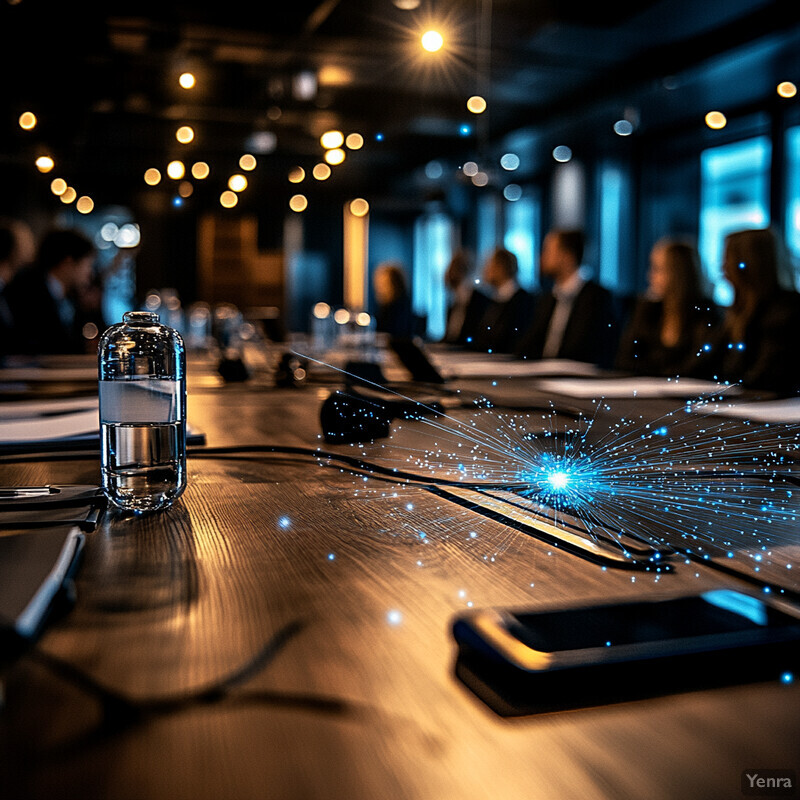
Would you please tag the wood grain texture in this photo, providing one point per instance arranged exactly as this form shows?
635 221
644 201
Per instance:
337 700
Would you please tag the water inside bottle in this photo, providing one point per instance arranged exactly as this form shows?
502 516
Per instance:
143 438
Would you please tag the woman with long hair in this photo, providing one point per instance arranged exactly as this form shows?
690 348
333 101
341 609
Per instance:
758 341
672 320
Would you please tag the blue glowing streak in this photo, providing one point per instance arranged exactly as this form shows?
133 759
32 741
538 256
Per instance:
284 522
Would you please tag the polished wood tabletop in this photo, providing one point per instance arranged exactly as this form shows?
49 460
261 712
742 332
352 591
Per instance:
284 631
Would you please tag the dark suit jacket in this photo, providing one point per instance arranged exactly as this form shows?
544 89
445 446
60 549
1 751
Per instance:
591 332
38 328
768 358
476 307
502 324
641 349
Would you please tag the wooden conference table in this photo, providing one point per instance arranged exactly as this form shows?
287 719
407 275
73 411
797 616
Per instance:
284 632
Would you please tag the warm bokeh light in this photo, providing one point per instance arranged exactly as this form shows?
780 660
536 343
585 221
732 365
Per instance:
512 192
787 89
298 202
354 141
69 195
363 319
432 41
185 189
359 207
476 104
152 177
331 139
184 134
716 120
27 121
45 163
58 186
176 170
187 80
200 170
322 172
247 162
238 183
470 169
85 204
480 179
342 316
335 156
297 175
228 199
322 310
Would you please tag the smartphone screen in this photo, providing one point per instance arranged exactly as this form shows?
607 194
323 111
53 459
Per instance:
716 612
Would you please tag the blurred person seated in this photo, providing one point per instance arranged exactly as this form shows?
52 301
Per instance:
757 341
467 303
673 320
17 248
576 320
508 312
42 297
393 315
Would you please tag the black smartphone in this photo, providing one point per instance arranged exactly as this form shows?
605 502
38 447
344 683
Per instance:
582 636
528 662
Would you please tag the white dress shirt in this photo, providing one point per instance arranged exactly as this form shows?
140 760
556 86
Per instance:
565 294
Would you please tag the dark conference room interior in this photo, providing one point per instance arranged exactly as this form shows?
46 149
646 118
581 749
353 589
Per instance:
399 399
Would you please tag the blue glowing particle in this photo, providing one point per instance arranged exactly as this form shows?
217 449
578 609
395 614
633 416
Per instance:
378 137
742 265
177 201
284 522
409 506
469 339
608 644
558 480
706 347
331 556
394 617
787 678
465 130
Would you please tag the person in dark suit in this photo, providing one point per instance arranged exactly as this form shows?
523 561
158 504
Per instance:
508 311
468 303
577 319
673 320
42 298
757 341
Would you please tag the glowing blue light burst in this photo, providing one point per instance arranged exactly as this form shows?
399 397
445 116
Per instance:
558 480
691 484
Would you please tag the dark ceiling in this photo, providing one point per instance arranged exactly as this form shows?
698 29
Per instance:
104 85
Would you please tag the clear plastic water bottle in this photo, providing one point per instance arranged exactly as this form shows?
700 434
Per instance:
142 371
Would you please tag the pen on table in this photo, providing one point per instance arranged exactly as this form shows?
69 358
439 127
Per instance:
24 491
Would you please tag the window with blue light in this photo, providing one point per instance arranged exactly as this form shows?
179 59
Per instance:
522 236
488 227
433 249
615 190
792 221
734 195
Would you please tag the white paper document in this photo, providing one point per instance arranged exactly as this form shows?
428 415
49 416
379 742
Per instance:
619 388
786 410
473 367
43 408
45 429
